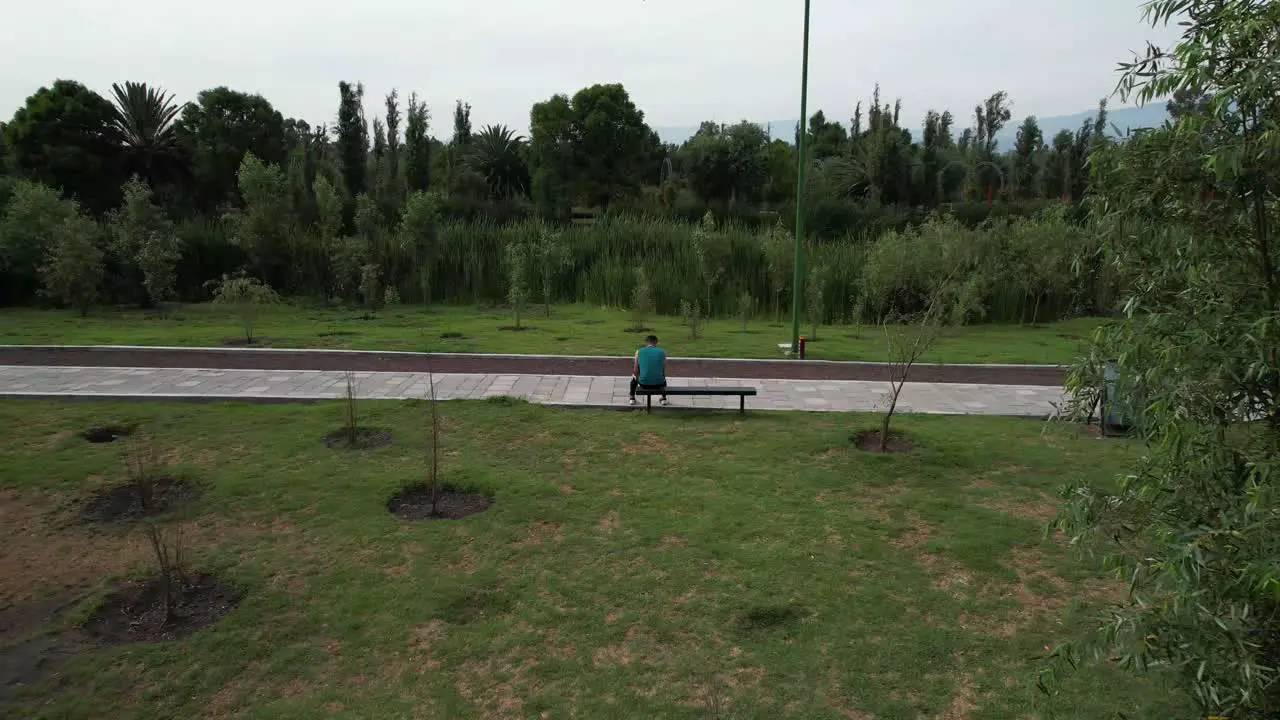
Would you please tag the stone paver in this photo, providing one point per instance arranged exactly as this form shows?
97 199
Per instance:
828 396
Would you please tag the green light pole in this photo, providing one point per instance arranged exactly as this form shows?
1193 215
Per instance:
798 278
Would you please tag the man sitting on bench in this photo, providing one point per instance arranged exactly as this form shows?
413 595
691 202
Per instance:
650 369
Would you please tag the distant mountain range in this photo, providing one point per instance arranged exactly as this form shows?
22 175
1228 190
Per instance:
1122 119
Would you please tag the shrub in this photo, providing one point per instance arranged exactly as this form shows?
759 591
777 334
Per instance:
72 269
641 301
247 296
691 314
746 306
517 280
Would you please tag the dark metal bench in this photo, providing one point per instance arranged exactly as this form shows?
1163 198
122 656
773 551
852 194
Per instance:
741 392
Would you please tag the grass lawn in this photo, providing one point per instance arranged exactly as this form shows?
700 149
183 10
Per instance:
668 566
571 330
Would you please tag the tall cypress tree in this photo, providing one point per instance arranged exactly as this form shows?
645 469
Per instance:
353 137
461 124
393 134
417 146
1026 159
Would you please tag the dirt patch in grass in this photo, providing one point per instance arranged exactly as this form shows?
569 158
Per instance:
135 612
1019 605
365 439
414 503
612 656
43 558
649 442
1040 508
497 685
609 522
638 329
516 328
541 533
129 501
963 701
452 336
105 433
946 575
241 342
869 440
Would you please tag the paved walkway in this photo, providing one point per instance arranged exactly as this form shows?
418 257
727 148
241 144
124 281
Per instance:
599 391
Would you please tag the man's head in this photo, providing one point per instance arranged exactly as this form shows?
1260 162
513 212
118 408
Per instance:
651 340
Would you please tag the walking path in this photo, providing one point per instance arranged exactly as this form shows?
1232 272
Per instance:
575 390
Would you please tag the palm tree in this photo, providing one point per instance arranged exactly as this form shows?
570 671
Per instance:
143 126
497 154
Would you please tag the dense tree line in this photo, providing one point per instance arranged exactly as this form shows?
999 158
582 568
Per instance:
591 150
154 198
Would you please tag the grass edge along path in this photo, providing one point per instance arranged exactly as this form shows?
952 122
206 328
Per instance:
631 566
570 330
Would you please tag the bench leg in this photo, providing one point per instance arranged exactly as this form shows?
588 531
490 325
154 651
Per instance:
648 404
742 404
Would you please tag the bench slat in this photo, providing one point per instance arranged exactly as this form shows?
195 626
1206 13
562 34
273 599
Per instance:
698 391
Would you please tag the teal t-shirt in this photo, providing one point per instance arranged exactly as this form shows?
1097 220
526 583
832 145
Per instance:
653 365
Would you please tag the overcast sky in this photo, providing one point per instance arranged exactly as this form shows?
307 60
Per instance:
683 61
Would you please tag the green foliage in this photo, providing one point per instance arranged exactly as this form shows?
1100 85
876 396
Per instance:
1026 158
144 241
594 147
815 298
691 316
143 126
346 256
497 154
517 264
746 308
725 163
61 137
1195 525
420 238
246 295
218 130
352 137
264 226
417 146
29 223
328 210
549 254
641 301
779 256
706 259
371 286
461 124
72 269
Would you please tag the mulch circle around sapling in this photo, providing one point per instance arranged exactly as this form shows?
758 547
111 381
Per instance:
514 328
241 342
869 440
414 503
135 612
127 501
638 330
105 433
366 439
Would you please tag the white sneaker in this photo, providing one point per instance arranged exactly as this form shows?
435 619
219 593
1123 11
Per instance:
662 401
632 401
